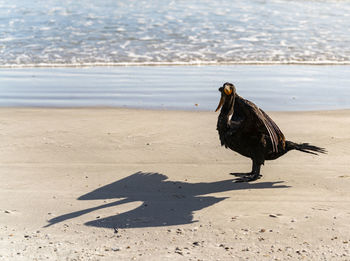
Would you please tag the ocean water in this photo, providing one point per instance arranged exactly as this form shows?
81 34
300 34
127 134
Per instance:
271 87
129 32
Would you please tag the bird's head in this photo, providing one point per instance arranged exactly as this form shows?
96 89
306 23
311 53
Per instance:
228 94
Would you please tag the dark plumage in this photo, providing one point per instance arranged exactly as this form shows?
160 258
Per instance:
251 132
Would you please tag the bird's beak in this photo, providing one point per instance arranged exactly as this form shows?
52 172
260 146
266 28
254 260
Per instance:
228 91
220 103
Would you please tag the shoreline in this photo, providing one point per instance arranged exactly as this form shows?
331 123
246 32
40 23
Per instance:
174 64
107 184
272 88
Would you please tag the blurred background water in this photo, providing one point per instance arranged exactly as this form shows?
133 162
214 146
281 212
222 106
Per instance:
89 32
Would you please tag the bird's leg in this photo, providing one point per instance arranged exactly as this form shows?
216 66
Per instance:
256 170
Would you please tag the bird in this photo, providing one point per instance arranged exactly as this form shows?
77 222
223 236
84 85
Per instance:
246 129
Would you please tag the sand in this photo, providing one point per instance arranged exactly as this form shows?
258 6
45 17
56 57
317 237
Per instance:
120 184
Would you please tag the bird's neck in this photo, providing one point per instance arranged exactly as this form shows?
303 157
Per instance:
225 113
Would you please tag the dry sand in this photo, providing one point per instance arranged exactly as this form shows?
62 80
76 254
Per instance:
118 184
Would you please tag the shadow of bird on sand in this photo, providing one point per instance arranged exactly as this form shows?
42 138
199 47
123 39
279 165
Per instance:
165 202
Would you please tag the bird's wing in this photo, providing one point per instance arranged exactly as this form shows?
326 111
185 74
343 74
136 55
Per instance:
277 132
265 123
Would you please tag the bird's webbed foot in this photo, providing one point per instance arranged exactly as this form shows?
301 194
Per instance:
247 177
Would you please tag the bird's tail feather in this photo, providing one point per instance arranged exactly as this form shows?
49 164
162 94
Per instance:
305 147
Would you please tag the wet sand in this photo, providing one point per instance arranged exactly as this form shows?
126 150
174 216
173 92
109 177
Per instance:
122 184
272 87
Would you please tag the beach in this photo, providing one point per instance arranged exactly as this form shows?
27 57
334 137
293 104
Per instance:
136 184
108 141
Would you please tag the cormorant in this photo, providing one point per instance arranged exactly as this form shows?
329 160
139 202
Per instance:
251 132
